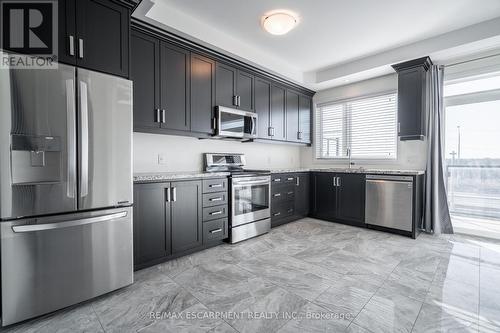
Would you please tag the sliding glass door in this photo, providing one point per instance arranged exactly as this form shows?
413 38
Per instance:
472 150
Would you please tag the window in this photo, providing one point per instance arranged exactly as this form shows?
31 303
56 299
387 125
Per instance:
366 127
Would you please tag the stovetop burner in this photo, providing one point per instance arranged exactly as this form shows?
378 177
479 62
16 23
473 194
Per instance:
233 163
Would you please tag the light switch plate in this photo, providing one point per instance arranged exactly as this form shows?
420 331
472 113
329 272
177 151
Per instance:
162 159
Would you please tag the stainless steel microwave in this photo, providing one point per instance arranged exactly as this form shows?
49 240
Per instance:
233 123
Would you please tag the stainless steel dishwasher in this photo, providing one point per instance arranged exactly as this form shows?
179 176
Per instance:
389 201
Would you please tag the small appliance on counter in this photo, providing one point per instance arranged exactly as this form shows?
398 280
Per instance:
65 188
250 193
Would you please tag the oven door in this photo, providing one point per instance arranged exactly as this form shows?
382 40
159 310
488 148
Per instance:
234 123
250 199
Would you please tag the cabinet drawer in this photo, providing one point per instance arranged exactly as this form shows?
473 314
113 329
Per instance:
289 179
215 230
277 179
214 199
213 213
282 210
282 194
214 185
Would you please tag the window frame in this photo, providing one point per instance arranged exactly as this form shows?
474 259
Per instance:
318 125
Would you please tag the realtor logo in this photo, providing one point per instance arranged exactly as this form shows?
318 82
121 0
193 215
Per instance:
29 33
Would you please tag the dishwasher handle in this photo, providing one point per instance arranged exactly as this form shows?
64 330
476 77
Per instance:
390 177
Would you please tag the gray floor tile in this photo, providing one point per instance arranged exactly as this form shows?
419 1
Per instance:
314 319
389 314
489 310
453 268
435 318
454 294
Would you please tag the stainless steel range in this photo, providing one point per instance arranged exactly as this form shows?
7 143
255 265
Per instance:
250 194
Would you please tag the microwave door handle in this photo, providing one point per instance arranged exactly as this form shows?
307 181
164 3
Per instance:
71 124
84 126
252 132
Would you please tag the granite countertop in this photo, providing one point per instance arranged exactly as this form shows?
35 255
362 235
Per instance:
353 170
168 176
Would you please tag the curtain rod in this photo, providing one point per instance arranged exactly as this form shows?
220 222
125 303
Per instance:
471 60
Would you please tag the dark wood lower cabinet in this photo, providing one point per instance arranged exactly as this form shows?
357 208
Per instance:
289 197
339 197
168 222
151 222
186 215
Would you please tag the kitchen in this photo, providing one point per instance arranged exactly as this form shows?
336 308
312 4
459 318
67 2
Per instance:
170 174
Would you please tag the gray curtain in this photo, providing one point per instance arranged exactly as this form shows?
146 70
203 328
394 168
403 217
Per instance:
436 212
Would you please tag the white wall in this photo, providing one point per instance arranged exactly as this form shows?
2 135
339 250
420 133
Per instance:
411 154
185 154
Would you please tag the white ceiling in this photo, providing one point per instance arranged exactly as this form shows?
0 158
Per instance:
331 33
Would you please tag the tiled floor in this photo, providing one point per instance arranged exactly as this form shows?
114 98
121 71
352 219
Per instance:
307 276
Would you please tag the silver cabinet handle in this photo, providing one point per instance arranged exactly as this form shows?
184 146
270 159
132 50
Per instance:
277 214
289 178
277 180
215 231
67 224
80 48
235 100
70 124
289 193
174 194
163 116
239 100
299 135
399 128
157 119
215 199
277 195
335 181
71 45
214 185
168 194
271 131
290 210
84 144
297 181
338 182
216 213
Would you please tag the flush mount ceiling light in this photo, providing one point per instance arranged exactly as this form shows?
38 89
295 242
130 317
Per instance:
279 22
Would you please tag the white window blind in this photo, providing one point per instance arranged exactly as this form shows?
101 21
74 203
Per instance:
366 127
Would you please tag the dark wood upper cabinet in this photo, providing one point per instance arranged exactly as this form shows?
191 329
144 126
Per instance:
94 34
225 85
412 98
174 87
187 216
292 116
245 90
263 107
351 197
145 62
67 31
278 113
151 222
202 93
305 111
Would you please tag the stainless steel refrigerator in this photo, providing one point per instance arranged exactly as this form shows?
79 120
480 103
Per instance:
65 188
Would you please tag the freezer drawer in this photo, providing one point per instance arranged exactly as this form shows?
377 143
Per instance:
52 262
389 202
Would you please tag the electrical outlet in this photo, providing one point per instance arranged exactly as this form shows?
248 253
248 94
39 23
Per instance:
162 159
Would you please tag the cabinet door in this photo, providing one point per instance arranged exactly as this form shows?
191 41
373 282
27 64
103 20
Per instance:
302 194
245 90
186 215
324 196
144 72
263 106
411 83
225 85
151 222
305 111
202 93
174 86
292 116
67 31
351 198
278 117
103 27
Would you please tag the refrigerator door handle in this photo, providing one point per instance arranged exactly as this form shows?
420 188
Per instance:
84 127
71 130
67 224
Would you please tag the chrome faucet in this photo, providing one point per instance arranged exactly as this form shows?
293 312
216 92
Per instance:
351 163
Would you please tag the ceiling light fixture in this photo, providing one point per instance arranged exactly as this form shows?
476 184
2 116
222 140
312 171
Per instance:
279 22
